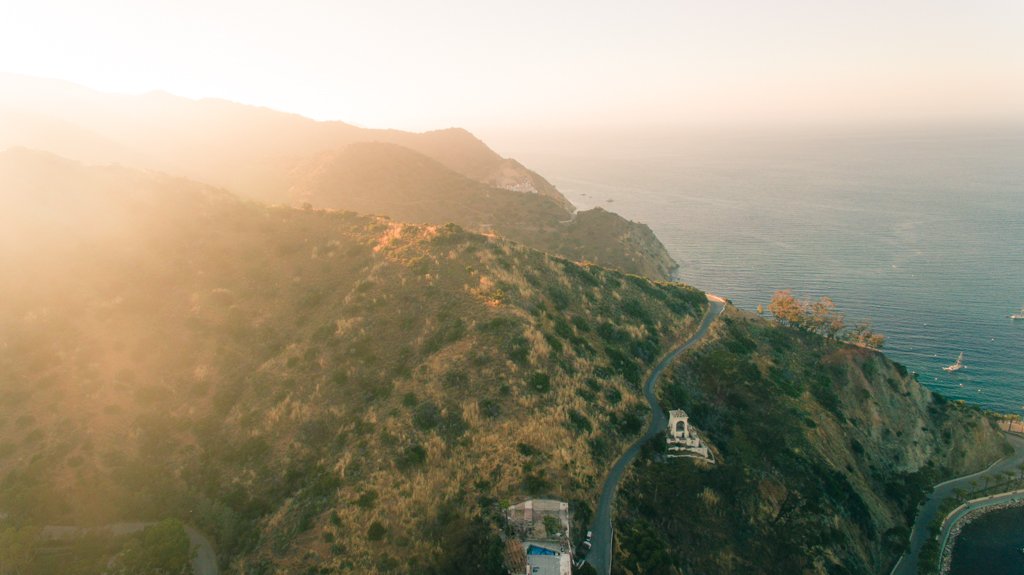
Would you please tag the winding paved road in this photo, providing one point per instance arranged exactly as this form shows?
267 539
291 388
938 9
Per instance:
907 564
204 562
964 510
600 555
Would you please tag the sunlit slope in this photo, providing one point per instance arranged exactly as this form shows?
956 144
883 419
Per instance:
391 180
311 388
323 390
435 177
248 149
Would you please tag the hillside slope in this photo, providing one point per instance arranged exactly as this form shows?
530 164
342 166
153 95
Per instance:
824 452
326 392
434 177
315 390
247 149
388 179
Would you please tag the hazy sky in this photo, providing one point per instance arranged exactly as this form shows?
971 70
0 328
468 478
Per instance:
525 65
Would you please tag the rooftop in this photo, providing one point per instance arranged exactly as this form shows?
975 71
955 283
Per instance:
541 527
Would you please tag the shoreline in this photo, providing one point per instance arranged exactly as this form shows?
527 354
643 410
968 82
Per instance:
946 560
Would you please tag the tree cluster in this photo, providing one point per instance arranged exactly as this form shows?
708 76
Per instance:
17 548
822 318
161 549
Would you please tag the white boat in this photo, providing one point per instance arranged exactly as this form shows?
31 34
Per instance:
958 365
1018 315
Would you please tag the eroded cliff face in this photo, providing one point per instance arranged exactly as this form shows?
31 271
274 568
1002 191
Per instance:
824 452
907 427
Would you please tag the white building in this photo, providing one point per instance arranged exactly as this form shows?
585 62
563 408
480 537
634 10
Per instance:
683 441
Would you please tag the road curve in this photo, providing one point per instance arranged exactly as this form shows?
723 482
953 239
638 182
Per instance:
600 555
907 565
204 562
1014 497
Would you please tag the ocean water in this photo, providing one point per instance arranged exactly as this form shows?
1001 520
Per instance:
991 545
921 235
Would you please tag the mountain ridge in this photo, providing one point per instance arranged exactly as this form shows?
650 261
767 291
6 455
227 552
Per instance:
263 154
144 122
388 179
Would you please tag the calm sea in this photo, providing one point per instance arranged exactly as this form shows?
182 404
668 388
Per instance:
991 545
923 236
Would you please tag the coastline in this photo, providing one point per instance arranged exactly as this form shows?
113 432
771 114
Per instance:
928 511
958 523
751 248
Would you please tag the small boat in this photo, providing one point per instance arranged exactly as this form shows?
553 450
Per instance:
958 365
1018 315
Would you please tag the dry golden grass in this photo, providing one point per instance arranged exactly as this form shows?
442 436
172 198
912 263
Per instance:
269 369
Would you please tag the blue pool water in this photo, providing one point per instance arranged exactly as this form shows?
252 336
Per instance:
924 236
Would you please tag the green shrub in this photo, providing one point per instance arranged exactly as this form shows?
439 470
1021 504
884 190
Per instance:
540 382
448 333
578 422
409 399
413 456
376 532
160 548
368 499
518 349
426 417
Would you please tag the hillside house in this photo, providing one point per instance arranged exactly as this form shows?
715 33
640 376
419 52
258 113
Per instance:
541 534
683 440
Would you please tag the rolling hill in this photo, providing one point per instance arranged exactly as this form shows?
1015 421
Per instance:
432 177
321 391
391 180
314 389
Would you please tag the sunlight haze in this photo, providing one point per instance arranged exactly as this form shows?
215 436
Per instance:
519 288
493 66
